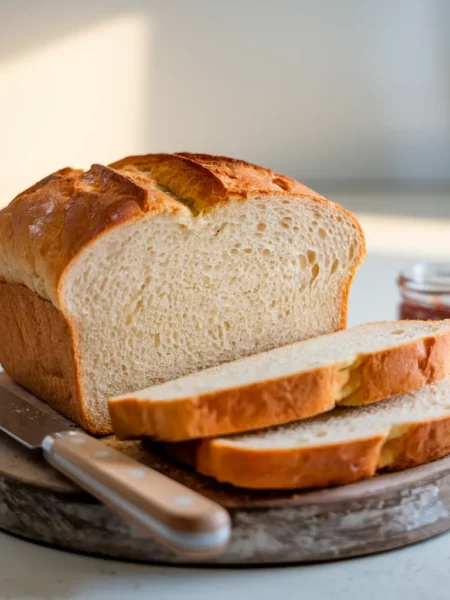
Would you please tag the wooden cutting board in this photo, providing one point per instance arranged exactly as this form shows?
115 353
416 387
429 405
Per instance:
268 528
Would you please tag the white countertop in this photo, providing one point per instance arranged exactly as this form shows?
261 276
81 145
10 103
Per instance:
29 571
418 572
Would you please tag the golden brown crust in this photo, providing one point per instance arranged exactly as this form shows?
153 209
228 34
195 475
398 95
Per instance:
241 409
286 468
319 466
419 444
205 180
380 375
29 225
36 349
401 369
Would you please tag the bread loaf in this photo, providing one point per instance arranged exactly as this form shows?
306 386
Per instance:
156 266
341 447
358 366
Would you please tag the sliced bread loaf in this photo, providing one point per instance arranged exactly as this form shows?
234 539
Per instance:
357 366
344 446
157 266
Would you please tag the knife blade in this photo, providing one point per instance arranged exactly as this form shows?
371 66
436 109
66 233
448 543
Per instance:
162 508
28 423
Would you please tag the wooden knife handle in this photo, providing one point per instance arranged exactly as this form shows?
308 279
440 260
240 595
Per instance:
162 508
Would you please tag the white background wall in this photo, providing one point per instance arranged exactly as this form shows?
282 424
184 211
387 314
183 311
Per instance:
331 92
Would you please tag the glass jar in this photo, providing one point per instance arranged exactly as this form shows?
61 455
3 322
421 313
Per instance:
425 292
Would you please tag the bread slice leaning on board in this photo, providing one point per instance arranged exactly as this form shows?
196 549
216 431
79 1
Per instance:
156 266
353 367
341 447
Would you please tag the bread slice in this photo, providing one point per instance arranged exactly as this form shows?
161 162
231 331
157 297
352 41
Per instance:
357 366
157 266
343 446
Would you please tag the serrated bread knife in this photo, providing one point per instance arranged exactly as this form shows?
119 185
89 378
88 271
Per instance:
162 508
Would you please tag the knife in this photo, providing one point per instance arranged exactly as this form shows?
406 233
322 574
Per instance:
160 507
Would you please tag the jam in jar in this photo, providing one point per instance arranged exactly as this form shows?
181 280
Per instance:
425 292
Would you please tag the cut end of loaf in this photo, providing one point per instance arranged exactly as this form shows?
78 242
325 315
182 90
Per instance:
167 296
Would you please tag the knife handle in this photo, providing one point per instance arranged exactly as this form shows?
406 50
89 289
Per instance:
162 508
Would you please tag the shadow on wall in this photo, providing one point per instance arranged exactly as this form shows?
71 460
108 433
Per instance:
325 92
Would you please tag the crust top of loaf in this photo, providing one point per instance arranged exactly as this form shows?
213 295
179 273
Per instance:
47 225
204 180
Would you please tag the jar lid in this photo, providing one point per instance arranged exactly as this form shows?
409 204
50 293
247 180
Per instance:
430 278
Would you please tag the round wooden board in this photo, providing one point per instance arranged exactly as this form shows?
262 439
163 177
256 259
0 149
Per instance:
268 528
